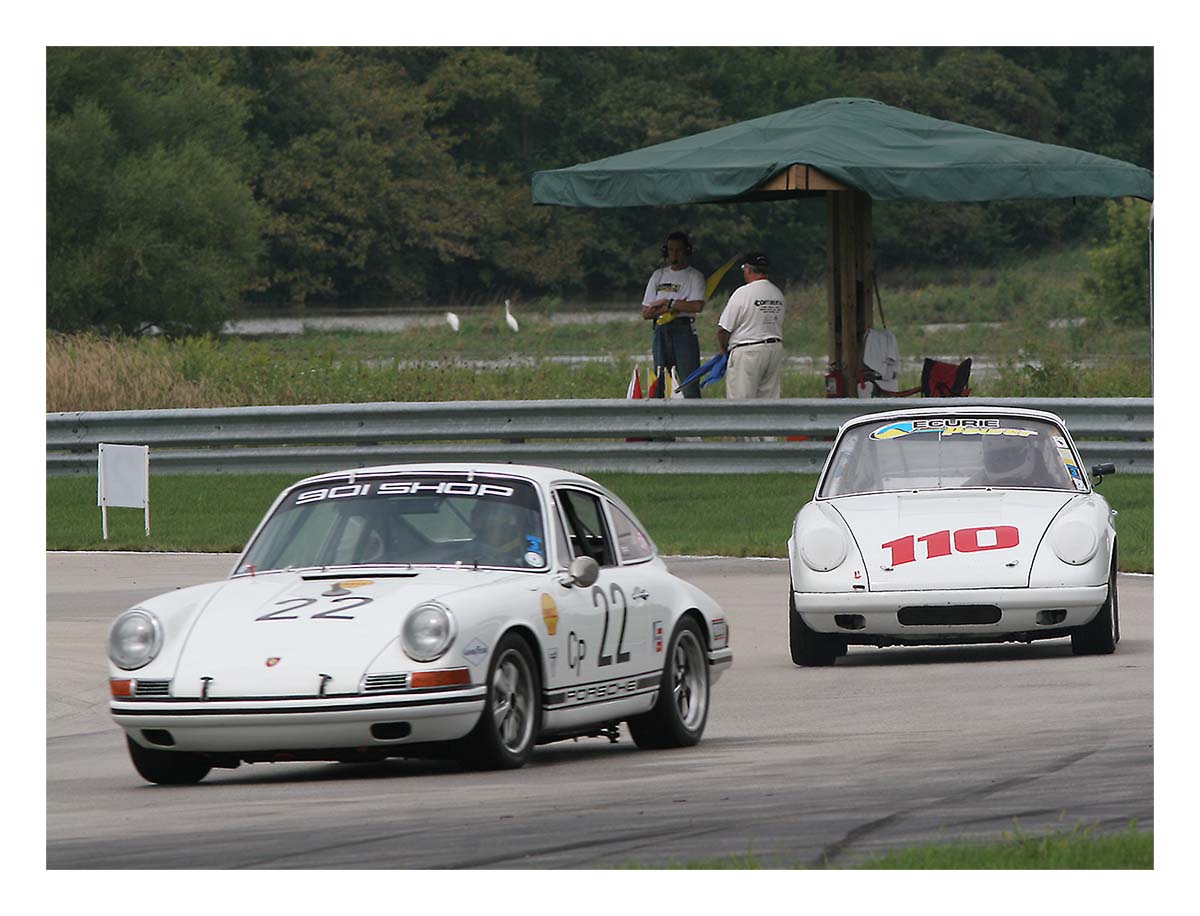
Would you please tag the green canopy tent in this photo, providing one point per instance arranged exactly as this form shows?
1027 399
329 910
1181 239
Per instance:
853 151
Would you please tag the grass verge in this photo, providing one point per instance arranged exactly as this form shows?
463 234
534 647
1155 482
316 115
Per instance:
339 369
734 515
1077 849
1081 848
1032 317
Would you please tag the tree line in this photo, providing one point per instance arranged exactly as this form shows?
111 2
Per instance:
182 182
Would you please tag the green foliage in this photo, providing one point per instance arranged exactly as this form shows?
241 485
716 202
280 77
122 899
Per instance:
364 200
182 180
1120 278
1044 370
150 219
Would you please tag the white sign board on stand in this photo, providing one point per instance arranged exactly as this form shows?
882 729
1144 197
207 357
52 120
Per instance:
123 480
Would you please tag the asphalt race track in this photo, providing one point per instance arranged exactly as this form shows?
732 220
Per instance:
806 767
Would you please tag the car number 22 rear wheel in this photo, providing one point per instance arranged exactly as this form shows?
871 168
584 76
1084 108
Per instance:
507 729
681 710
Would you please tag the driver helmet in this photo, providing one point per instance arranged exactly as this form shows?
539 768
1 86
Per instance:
1009 459
496 524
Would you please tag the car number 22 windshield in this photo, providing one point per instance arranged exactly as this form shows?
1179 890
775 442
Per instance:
950 453
430 521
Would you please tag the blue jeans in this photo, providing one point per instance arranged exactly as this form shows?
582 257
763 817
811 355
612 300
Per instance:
677 346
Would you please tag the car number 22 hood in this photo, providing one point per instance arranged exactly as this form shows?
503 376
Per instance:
279 634
950 540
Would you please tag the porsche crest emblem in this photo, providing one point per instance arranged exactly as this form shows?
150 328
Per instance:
273 661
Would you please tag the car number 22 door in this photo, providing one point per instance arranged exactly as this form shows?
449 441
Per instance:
610 663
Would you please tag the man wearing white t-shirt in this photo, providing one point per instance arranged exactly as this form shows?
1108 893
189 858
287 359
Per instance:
674 297
750 330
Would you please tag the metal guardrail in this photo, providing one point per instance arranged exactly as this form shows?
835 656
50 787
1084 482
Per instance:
312 438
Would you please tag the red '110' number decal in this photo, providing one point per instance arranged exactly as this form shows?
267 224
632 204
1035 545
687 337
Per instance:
966 540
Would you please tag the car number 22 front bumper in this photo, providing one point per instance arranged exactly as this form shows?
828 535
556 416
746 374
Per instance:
299 723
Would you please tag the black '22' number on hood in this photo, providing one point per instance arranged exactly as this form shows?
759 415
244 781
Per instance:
294 604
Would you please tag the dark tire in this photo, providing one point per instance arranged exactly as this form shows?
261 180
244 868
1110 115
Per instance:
167 768
1101 635
810 649
681 710
508 727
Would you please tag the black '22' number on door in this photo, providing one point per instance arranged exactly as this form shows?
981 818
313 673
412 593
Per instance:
294 604
598 595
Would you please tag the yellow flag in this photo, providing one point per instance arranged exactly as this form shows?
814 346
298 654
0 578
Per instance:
716 276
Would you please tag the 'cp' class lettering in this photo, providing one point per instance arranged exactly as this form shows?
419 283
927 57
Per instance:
576 651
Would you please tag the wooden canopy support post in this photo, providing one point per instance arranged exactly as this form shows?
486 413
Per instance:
850 283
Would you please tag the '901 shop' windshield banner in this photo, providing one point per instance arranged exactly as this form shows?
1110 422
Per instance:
403 488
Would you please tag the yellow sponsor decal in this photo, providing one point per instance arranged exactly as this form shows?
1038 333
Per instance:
549 614
974 431
356 583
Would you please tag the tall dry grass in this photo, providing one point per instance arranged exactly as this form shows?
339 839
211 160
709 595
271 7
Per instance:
88 372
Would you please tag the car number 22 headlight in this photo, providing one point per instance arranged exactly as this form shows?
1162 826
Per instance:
428 632
134 639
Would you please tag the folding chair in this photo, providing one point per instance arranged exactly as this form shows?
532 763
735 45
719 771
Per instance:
945 380
938 380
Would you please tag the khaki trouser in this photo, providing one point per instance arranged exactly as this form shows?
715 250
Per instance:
754 371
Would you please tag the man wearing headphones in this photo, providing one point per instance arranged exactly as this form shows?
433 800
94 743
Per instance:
750 330
674 297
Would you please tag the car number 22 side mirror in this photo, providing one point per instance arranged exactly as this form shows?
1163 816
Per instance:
1100 471
584 571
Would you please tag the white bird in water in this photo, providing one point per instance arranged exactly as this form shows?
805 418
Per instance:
508 316
452 320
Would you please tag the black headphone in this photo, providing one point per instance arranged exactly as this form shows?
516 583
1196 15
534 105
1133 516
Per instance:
680 237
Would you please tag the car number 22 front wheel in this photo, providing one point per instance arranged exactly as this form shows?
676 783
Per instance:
505 735
681 710
167 768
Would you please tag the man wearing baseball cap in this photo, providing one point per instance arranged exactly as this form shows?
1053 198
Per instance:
750 330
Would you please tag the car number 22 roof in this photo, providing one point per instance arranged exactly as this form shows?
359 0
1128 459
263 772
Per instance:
956 448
